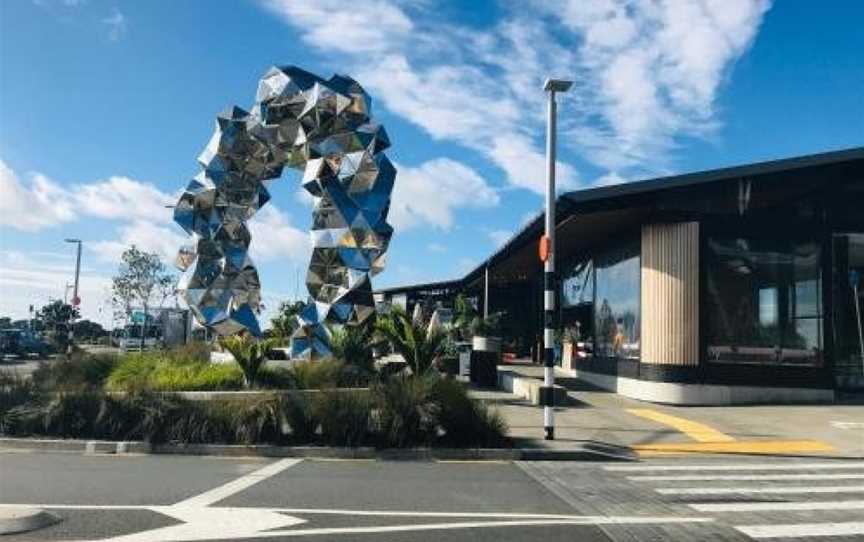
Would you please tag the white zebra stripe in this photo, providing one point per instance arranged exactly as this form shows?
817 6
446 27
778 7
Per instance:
710 477
771 490
777 506
795 530
740 467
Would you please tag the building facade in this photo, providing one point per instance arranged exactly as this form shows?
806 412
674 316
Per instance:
727 286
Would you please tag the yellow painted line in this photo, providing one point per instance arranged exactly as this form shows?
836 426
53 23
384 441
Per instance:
695 430
342 459
472 461
735 447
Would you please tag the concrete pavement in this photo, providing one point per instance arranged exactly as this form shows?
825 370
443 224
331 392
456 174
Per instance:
598 417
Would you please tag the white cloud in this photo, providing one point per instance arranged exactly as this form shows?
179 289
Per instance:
122 198
463 265
527 166
500 237
433 191
527 218
117 25
647 73
374 24
42 204
434 75
436 247
273 237
147 236
609 179
35 278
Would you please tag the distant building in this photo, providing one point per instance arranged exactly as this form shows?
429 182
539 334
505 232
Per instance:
724 286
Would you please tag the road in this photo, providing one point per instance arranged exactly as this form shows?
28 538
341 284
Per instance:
143 498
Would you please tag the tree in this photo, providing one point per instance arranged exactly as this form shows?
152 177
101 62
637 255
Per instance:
88 329
141 279
285 322
55 317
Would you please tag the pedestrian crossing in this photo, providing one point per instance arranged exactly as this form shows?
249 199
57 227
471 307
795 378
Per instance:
775 501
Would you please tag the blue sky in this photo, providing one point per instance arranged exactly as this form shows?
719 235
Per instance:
106 104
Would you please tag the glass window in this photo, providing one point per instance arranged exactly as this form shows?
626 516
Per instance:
763 301
616 306
577 288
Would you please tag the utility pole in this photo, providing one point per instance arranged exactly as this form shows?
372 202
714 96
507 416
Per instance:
547 254
76 301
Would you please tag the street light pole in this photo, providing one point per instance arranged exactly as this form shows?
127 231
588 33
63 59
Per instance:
548 255
75 299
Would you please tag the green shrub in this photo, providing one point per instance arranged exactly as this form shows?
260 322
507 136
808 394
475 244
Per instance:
196 377
345 417
276 378
71 415
192 351
15 392
317 375
81 372
300 419
259 420
406 411
353 346
464 421
158 371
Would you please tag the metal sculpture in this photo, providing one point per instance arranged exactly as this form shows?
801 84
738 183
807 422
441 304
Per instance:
323 128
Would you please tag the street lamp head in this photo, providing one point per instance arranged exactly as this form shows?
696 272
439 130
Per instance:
557 85
70 240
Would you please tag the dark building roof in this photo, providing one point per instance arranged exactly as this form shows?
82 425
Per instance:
623 200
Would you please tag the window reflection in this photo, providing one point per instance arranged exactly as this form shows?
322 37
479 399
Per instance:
616 309
763 301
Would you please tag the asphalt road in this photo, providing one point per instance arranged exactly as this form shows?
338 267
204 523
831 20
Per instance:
138 498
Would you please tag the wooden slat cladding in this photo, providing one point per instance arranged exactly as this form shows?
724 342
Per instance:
670 293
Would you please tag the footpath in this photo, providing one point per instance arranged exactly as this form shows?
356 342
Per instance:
605 422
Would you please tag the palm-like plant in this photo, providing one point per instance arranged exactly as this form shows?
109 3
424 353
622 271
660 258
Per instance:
353 345
418 345
250 354
463 315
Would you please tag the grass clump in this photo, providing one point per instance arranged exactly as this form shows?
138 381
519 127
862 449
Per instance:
159 371
345 417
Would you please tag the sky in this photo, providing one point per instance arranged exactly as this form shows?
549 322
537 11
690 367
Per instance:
105 105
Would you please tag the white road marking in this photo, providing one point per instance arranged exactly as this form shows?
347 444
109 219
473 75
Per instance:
740 467
217 523
478 524
795 530
773 490
848 425
715 477
777 506
211 523
235 486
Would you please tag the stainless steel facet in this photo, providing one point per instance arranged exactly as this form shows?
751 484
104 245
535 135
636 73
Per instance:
322 128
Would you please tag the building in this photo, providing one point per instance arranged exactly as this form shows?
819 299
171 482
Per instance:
724 286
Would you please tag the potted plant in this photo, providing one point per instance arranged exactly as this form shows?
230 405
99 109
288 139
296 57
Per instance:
485 334
486 350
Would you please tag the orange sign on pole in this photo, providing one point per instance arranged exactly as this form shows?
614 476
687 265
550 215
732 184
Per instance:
545 248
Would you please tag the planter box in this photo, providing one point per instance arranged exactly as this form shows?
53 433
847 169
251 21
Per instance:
486 344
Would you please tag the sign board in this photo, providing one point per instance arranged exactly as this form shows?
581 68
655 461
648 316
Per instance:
545 248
